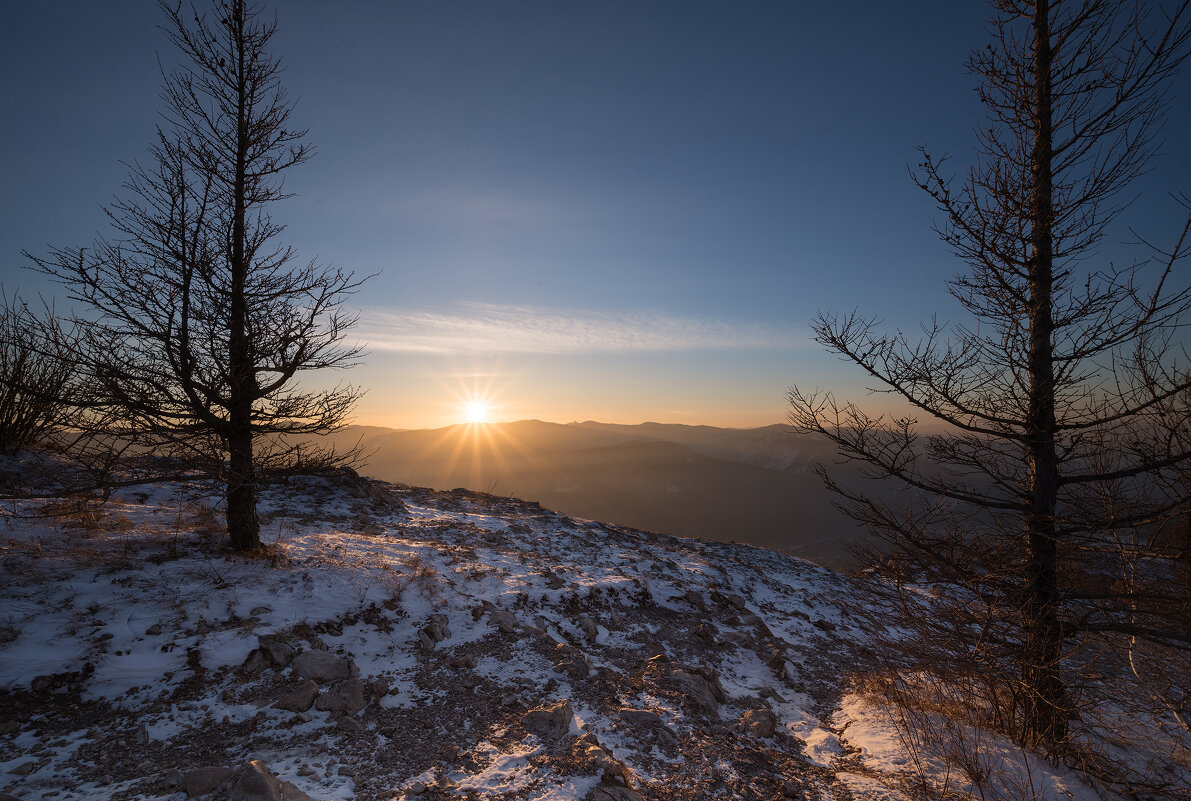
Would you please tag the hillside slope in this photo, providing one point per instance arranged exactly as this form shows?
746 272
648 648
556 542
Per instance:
406 643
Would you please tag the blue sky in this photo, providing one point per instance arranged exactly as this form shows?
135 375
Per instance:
622 211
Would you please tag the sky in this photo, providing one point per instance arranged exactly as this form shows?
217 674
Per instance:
619 211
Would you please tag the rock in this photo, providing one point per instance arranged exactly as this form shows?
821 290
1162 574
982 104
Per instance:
735 601
706 632
172 777
417 788
8 797
695 599
436 630
279 653
649 721
299 699
291 792
345 770
504 620
699 684
572 661
306 770
612 792
759 722
550 723
380 687
254 782
41 684
350 725
463 661
153 630
256 663
344 696
588 626
261 610
24 769
141 735
323 666
640 716
201 781
790 789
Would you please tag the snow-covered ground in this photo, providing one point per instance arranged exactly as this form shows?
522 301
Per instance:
396 642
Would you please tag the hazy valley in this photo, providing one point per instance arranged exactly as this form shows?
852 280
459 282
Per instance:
756 486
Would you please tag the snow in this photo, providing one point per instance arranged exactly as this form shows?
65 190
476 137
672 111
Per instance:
164 620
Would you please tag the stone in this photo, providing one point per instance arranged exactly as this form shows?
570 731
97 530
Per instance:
299 699
759 722
8 797
344 696
588 626
153 630
322 666
695 599
172 777
699 684
649 721
201 781
350 725
346 770
706 632
306 770
254 782
256 663
417 788
261 610
504 620
141 735
640 716
24 769
463 661
791 789
549 723
291 792
436 630
279 653
41 684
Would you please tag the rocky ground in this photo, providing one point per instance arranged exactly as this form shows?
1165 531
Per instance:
394 642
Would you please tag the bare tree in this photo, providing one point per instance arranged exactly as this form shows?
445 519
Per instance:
37 374
1066 404
200 320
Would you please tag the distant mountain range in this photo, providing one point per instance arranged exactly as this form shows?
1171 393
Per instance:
756 486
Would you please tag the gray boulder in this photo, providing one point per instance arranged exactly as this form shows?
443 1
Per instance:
201 781
549 723
254 782
279 653
323 666
344 696
759 722
300 698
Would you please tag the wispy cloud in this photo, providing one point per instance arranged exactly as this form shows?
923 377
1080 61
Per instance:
489 328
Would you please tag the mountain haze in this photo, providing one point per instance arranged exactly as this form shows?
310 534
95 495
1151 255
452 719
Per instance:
751 485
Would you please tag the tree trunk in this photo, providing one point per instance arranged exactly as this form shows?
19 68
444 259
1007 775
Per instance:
1046 710
243 527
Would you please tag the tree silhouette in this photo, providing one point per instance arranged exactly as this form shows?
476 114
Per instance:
199 320
1066 404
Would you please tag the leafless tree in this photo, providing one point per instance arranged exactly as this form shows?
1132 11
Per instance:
1065 406
37 374
199 319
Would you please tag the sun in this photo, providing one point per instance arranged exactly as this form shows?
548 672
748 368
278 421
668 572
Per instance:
477 412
